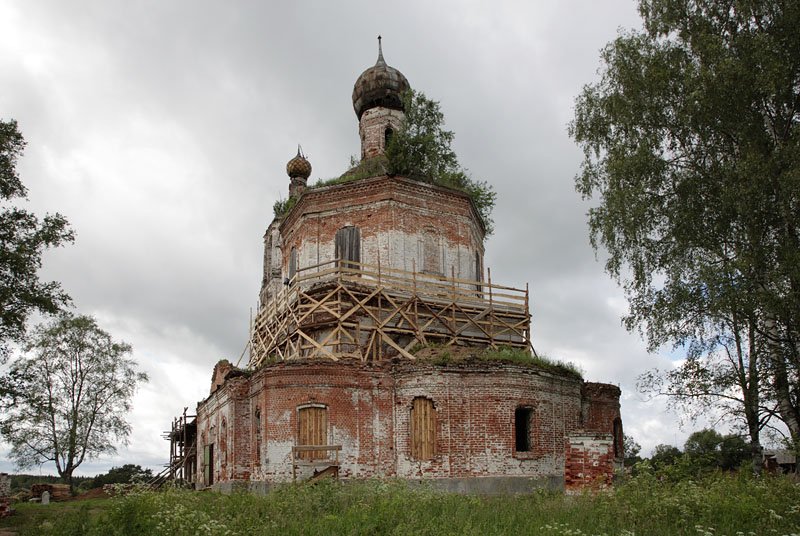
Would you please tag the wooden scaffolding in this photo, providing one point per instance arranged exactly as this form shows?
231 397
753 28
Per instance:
182 452
348 309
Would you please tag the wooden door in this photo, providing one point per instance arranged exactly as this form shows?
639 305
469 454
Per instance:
313 430
423 429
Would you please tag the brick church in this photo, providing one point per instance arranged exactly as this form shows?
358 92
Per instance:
382 347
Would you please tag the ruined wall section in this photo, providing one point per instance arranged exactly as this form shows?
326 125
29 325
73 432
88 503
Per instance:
590 462
253 423
475 408
272 279
406 224
223 421
358 403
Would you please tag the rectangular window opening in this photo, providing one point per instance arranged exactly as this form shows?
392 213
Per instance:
522 429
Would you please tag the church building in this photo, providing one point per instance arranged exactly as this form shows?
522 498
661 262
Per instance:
383 347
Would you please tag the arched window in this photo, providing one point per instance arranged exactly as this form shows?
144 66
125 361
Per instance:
312 429
619 447
257 431
387 137
478 271
268 257
423 429
431 252
292 262
347 246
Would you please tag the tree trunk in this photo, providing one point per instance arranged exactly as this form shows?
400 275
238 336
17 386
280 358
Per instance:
788 412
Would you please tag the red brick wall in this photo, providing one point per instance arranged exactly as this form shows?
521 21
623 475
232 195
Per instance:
368 409
392 214
590 461
372 129
600 409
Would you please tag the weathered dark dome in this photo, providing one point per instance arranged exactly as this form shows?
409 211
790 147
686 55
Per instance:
298 166
380 85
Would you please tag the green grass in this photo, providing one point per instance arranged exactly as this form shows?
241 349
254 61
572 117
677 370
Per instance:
66 518
443 356
718 505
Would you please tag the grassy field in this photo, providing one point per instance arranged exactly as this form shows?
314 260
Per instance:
717 505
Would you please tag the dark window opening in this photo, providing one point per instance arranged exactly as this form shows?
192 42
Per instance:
387 137
522 428
257 426
347 246
478 271
619 451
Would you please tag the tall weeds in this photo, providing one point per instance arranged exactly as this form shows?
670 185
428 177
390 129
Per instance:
720 504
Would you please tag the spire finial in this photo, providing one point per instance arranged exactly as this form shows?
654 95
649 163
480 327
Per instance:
380 52
299 150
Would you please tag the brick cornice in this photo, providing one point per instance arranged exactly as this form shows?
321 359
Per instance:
393 187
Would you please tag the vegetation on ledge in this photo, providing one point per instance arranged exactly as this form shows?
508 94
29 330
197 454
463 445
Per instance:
448 355
420 151
283 206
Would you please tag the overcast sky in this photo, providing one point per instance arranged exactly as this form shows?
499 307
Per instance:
161 130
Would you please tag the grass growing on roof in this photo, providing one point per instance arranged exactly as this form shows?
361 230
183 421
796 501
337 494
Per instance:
441 355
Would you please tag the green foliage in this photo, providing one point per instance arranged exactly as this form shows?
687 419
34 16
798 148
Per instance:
66 400
717 504
23 239
127 474
517 355
665 455
691 141
707 450
20 482
364 169
631 451
420 150
282 206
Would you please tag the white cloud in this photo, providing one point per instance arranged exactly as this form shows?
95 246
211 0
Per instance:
161 131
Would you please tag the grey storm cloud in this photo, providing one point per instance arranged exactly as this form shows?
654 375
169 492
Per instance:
162 129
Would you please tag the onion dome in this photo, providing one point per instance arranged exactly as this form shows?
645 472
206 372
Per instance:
298 166
380 85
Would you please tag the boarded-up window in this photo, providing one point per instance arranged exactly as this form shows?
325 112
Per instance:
268 257
423 429
522 429
292 263
431 253
312 430
348 246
